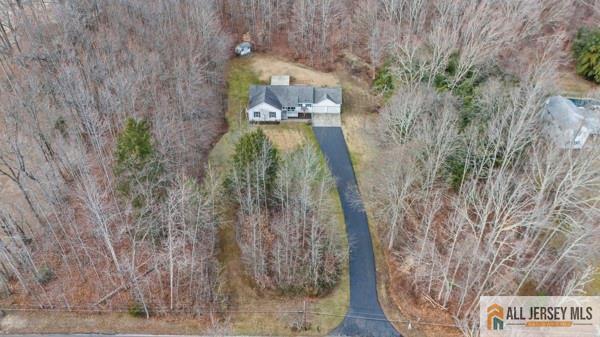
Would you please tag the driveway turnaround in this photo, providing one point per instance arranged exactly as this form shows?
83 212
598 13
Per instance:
365 317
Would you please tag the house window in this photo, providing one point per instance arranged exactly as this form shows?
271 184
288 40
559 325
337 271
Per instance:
272 114
256 114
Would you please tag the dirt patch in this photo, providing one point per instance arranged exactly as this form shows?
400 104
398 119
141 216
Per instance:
572 84
355 126
13 323
267 66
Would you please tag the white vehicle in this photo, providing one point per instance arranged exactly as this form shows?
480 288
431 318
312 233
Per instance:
243 48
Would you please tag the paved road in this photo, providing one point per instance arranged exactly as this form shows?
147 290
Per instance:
365 317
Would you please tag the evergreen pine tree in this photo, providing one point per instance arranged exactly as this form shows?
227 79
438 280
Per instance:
586 48
136 167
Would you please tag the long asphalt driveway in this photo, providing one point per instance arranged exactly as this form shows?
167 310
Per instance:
365 317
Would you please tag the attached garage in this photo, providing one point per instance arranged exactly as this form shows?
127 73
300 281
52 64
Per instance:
326 106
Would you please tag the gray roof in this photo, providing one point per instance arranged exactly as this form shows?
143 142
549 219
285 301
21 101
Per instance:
260 94
290 95
564 113
333 94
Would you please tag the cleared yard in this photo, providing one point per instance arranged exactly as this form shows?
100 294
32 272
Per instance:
287 136
266 66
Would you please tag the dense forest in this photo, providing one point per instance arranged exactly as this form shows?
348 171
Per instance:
469 195
108 111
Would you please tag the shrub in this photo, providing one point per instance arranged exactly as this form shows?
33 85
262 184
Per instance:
586 49
45 275
136 309
467 91
60 125
384 80
460 165
442 80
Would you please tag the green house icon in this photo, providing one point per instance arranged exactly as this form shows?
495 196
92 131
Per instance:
498 324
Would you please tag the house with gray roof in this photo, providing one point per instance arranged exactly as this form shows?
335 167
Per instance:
569 125
277 102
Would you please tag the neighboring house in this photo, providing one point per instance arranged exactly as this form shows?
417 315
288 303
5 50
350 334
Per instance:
276 102
568 125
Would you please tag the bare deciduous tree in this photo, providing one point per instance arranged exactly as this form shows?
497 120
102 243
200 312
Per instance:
75 72
487 208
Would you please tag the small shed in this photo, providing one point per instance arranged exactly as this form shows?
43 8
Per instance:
280 80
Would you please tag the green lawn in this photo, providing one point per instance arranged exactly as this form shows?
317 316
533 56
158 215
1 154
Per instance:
239 78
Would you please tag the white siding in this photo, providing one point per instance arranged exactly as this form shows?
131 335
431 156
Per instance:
326 106
264 110
293 114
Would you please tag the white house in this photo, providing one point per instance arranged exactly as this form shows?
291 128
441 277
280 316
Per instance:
276 102
568 125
